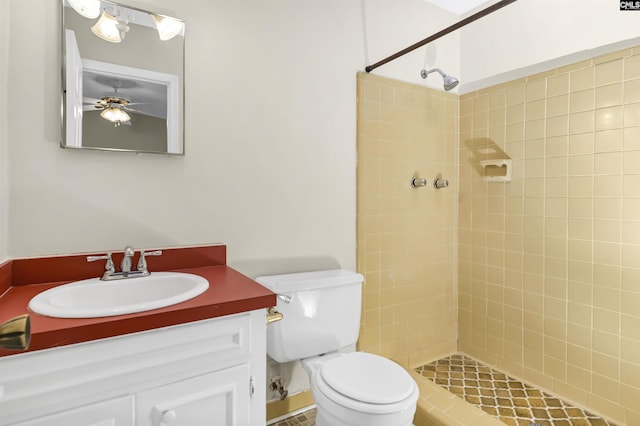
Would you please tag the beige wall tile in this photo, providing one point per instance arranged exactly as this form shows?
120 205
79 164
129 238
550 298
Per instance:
558 85
631 92
609 118
582 79
583 100
584 122
402 290
610 95
548 265
609 140
609 72
557 105
572 233
632 114
632 67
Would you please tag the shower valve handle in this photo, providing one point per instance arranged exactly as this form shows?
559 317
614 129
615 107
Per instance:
417 182
440 183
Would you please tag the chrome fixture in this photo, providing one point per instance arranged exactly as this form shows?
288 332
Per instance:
142 262
449 81
125 266
440 183
276 384
417 182
109 267
113 24
285 298
16 333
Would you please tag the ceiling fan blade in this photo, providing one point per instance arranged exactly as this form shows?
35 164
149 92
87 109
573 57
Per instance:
91 100
92 108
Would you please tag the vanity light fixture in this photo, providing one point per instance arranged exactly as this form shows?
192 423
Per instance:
107 28
87 8
115 114
167 27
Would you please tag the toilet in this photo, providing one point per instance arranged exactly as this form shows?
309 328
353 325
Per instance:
320 328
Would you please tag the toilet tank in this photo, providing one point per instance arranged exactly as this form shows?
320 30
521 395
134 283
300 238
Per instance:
321 312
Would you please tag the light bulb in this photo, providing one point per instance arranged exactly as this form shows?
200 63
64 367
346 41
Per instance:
115 114
167 27
107 28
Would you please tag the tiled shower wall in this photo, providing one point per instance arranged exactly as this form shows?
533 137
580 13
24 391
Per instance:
406 236
549 263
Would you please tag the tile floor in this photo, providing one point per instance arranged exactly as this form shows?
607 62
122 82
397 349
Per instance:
308 418
511 401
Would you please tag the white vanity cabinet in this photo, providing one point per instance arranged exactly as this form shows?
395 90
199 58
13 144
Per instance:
195 374
108 413
219 398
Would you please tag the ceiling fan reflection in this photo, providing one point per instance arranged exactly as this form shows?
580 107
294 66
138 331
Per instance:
114 108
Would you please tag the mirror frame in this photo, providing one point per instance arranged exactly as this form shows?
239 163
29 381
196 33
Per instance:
73 69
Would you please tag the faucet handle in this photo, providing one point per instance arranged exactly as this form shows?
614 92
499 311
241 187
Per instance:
109 267
142 262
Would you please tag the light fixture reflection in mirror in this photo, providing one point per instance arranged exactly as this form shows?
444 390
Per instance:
141 76
167 27
107 28
87 8
115 114
112 25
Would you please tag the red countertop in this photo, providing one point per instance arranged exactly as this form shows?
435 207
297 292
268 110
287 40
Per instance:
229 292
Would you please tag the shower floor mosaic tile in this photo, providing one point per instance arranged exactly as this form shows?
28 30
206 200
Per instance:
307 418
511 401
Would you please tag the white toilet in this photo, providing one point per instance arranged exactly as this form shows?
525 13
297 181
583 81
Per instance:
321 321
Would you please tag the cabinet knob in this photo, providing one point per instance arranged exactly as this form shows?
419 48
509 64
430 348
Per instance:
168 416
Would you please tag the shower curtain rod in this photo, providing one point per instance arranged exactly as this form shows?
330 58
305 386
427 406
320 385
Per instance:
439 34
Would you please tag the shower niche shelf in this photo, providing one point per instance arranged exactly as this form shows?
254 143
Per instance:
496 170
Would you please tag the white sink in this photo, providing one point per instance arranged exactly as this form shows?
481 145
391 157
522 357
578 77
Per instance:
95 298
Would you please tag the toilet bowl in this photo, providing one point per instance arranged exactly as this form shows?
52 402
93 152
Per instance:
320 327
357 388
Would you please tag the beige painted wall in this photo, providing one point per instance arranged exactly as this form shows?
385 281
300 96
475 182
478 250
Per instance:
529 36
406 236
549 272
270 140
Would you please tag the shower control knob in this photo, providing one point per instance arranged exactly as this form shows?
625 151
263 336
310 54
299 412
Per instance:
418 182
440 183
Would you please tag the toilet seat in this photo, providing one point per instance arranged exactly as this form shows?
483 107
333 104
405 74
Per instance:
366 383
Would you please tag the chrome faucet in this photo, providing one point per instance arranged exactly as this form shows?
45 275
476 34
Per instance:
142 261
109 267
125 266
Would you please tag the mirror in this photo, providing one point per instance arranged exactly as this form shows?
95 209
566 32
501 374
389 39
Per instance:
122 78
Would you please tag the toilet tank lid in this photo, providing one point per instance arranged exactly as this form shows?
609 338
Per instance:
301 281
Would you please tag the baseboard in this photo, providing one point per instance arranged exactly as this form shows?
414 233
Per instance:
295 402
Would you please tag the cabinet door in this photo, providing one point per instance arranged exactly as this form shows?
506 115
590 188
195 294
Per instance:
115 412
215 399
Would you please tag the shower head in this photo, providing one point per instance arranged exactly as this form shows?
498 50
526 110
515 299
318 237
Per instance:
449 81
